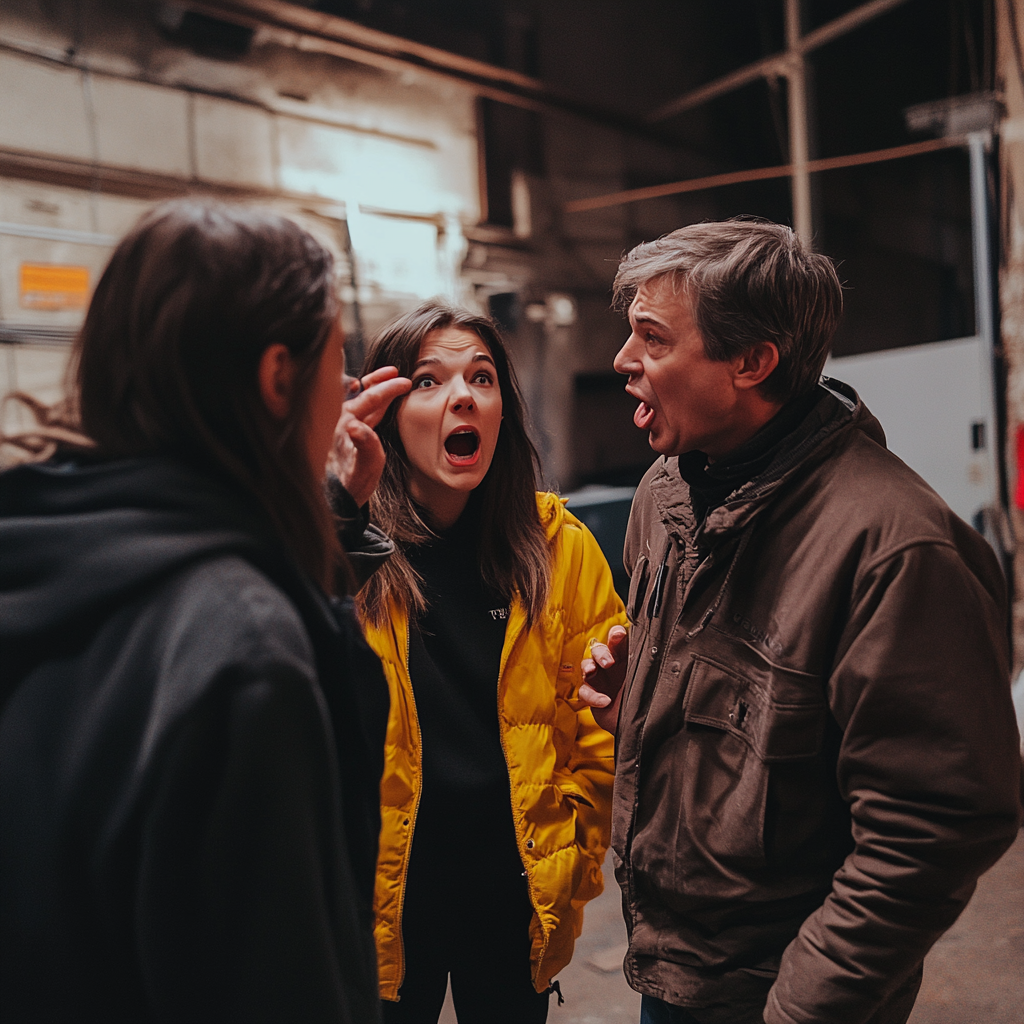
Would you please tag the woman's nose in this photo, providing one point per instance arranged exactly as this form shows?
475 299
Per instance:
461 398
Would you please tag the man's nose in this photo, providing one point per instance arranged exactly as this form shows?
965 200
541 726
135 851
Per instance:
626 360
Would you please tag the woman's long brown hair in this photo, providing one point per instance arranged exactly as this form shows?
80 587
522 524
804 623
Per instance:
166 362
514 556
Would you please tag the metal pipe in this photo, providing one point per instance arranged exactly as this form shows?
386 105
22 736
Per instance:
983 310
984 316
776 64
56 234
846 23
305 29
831 163
773 65
796 94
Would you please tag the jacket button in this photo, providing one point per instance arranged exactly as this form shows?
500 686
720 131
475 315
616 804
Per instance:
529 844
654 650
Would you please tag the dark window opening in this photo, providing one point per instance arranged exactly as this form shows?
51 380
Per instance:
504 308
513 141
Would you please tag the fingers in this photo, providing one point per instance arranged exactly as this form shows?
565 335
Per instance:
601 654
378 376
363 436
608 654
380 389
618 642
593 698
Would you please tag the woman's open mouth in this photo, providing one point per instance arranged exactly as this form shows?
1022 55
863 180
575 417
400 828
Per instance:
462 446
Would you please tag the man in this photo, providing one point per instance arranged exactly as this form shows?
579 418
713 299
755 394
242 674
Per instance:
816 749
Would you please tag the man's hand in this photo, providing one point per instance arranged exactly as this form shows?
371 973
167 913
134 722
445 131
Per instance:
603 675
357 458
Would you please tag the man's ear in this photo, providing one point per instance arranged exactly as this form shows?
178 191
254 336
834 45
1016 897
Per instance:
755 365
276 376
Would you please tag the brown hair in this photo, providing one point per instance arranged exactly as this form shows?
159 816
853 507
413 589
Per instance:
749 280
166 362
514 553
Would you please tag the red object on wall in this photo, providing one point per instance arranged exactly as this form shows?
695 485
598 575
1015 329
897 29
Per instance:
1018 497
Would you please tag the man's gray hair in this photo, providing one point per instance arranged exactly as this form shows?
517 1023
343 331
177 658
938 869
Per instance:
747 280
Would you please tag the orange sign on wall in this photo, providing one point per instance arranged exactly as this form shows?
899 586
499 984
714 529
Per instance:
49 286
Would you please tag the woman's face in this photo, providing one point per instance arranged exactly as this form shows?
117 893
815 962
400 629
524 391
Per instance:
450 420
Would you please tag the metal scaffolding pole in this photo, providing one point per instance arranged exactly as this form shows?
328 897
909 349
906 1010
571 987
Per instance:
978 144
796 78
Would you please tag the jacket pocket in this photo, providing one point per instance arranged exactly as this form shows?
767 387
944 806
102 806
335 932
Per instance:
740 745
638 581
775 730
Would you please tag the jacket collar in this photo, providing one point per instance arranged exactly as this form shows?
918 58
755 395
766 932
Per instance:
811 442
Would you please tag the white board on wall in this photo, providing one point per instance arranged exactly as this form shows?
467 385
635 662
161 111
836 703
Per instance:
930 400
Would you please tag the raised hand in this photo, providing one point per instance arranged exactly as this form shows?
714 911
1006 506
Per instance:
357 458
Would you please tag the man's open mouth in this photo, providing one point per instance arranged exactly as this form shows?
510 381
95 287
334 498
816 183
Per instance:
462 446
643 415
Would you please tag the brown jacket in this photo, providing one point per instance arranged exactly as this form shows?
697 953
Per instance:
817 753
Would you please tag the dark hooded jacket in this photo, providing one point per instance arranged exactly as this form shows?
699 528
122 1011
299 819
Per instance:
817 754
190 751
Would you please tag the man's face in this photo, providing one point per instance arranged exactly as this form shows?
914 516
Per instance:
687 401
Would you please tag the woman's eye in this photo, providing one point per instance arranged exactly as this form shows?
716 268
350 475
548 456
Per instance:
422 382
483 378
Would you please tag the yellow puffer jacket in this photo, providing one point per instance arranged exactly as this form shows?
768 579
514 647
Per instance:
560 762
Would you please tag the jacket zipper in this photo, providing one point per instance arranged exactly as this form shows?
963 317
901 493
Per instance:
415 808
506 653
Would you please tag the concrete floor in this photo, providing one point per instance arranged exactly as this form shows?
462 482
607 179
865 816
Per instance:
973 975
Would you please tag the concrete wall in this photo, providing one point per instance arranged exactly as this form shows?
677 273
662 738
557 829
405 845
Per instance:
102 114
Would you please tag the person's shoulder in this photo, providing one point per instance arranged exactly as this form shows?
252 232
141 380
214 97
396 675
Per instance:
876 483
233 613
559 522
553 514
868 494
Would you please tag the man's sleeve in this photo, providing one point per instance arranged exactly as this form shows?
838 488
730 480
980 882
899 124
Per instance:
930 768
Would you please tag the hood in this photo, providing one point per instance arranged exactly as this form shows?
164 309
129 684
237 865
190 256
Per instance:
76 538
552 512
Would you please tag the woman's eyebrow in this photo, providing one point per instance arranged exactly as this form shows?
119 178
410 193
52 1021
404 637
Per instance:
429 361
480 357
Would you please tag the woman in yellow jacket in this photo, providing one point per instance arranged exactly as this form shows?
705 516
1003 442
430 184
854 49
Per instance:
495 798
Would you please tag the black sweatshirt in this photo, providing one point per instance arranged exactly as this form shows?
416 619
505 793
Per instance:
454 660
191 744
711 483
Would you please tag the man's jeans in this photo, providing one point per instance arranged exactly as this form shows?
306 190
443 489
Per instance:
657 1011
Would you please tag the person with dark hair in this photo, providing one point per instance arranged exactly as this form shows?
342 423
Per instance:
191 724
816 753
496 789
